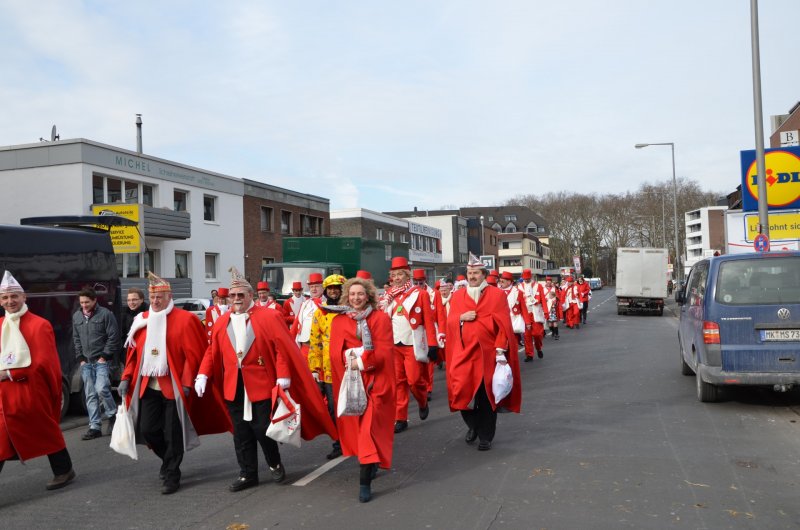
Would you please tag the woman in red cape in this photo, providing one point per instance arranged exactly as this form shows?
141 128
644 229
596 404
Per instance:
363 338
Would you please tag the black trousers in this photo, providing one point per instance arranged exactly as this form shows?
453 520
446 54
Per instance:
161 429
584 310
482 419
60 462
247 435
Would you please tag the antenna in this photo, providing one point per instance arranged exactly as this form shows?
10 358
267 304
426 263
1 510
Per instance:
54 135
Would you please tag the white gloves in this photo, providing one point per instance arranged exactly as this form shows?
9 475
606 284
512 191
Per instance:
200 384
315 375
500 357
358 352
284 382
440 340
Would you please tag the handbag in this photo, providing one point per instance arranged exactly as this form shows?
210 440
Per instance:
352 395
123 436
502 381
284 427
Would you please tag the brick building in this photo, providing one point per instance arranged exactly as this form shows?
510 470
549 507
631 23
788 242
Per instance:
269 214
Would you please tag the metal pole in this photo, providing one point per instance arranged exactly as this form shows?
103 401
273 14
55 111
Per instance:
663 221
763 208
678 266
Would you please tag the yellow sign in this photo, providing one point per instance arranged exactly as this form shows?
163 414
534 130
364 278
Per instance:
783 178
126 239
782 225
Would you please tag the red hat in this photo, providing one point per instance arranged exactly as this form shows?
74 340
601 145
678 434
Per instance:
365 275
527 274
419 274
568 278
507 276
223 292
491 280
460 278
399 262
548 278
262 286
494 273
297 285
437 284
314 277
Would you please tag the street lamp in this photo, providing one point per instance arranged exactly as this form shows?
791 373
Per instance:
678 266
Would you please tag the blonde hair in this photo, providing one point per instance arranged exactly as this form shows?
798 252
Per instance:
369 287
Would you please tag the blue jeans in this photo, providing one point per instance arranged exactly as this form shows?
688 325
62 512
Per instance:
97 388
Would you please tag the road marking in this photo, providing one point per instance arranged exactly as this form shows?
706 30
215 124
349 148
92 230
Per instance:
321 470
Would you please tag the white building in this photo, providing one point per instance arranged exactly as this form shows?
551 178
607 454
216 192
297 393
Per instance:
705 234
191 220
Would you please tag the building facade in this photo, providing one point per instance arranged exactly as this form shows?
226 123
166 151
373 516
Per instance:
518 251
705 234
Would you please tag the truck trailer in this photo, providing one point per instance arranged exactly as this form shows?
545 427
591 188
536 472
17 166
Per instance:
641 280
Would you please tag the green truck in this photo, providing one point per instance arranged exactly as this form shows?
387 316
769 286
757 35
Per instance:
330 255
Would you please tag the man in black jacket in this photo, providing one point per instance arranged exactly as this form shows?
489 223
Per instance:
96 338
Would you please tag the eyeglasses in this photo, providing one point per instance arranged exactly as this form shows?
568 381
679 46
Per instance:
236 295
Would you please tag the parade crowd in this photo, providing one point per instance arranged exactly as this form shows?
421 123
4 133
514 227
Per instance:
181 380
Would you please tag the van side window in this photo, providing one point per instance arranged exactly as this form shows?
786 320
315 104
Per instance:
697 284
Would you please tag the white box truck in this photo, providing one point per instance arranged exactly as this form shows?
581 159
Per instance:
641 280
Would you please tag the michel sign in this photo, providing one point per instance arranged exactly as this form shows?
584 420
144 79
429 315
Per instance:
782 176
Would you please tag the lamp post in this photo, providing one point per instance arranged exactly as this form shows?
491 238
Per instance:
678 266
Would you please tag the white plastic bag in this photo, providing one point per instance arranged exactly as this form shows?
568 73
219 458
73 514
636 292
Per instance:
502 381
517 324
285 424
352 399
123 436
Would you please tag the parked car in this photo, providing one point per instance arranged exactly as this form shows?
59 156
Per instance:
197 306
740 322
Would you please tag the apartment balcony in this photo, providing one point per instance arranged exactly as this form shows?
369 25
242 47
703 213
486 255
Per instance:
162 223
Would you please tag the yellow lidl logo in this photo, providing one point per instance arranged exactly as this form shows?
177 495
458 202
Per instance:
782 177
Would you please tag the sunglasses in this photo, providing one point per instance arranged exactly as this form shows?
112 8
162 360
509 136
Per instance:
236 295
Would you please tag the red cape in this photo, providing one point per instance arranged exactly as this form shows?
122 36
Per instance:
470 352
370 436
30 405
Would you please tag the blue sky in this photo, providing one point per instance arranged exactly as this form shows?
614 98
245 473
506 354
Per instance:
391 105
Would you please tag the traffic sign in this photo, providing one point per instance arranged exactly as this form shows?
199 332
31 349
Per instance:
761 243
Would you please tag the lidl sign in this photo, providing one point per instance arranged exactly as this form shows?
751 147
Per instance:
782 167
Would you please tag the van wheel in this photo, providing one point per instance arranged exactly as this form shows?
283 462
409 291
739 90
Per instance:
620 311
660 311
64 399
706 392
685 368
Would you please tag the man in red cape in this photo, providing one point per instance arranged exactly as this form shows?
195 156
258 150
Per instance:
30 387
480 337
165 347
251 351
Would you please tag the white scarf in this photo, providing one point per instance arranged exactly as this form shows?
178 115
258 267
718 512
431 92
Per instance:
475 292
14 351
239 322
155 344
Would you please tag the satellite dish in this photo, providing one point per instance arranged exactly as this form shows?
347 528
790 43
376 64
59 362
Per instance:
53 135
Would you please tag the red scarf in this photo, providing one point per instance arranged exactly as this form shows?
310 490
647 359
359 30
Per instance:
390 294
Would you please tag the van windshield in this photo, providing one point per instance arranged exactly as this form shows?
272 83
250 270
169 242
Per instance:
759 281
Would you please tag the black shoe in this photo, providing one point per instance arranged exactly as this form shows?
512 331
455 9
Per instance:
577 326
484 445
59 481
162 473
364 493
374 472
528 359
336 452
400 426
556 337
471 436
170 487
278 473
540 354
91 434
429 396
242 483
111 421
423 413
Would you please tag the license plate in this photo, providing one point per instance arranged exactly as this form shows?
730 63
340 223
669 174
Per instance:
780 334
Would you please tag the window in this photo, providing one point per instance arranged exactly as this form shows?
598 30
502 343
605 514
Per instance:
181 264
147 194
113 190
531 228
391 236
266 219
286 222
209 209
404 238
98 194
758 281
131 193
211 266
510 228
180 200
310 225
511 217
379 234
505 245
497 228
137 265
267 261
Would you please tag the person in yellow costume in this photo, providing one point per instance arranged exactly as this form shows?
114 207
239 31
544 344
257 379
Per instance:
319 358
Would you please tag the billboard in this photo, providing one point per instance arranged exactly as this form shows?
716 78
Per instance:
741 229
126 239
782 167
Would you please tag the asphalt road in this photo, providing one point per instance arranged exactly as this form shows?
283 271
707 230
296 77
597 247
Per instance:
611 436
